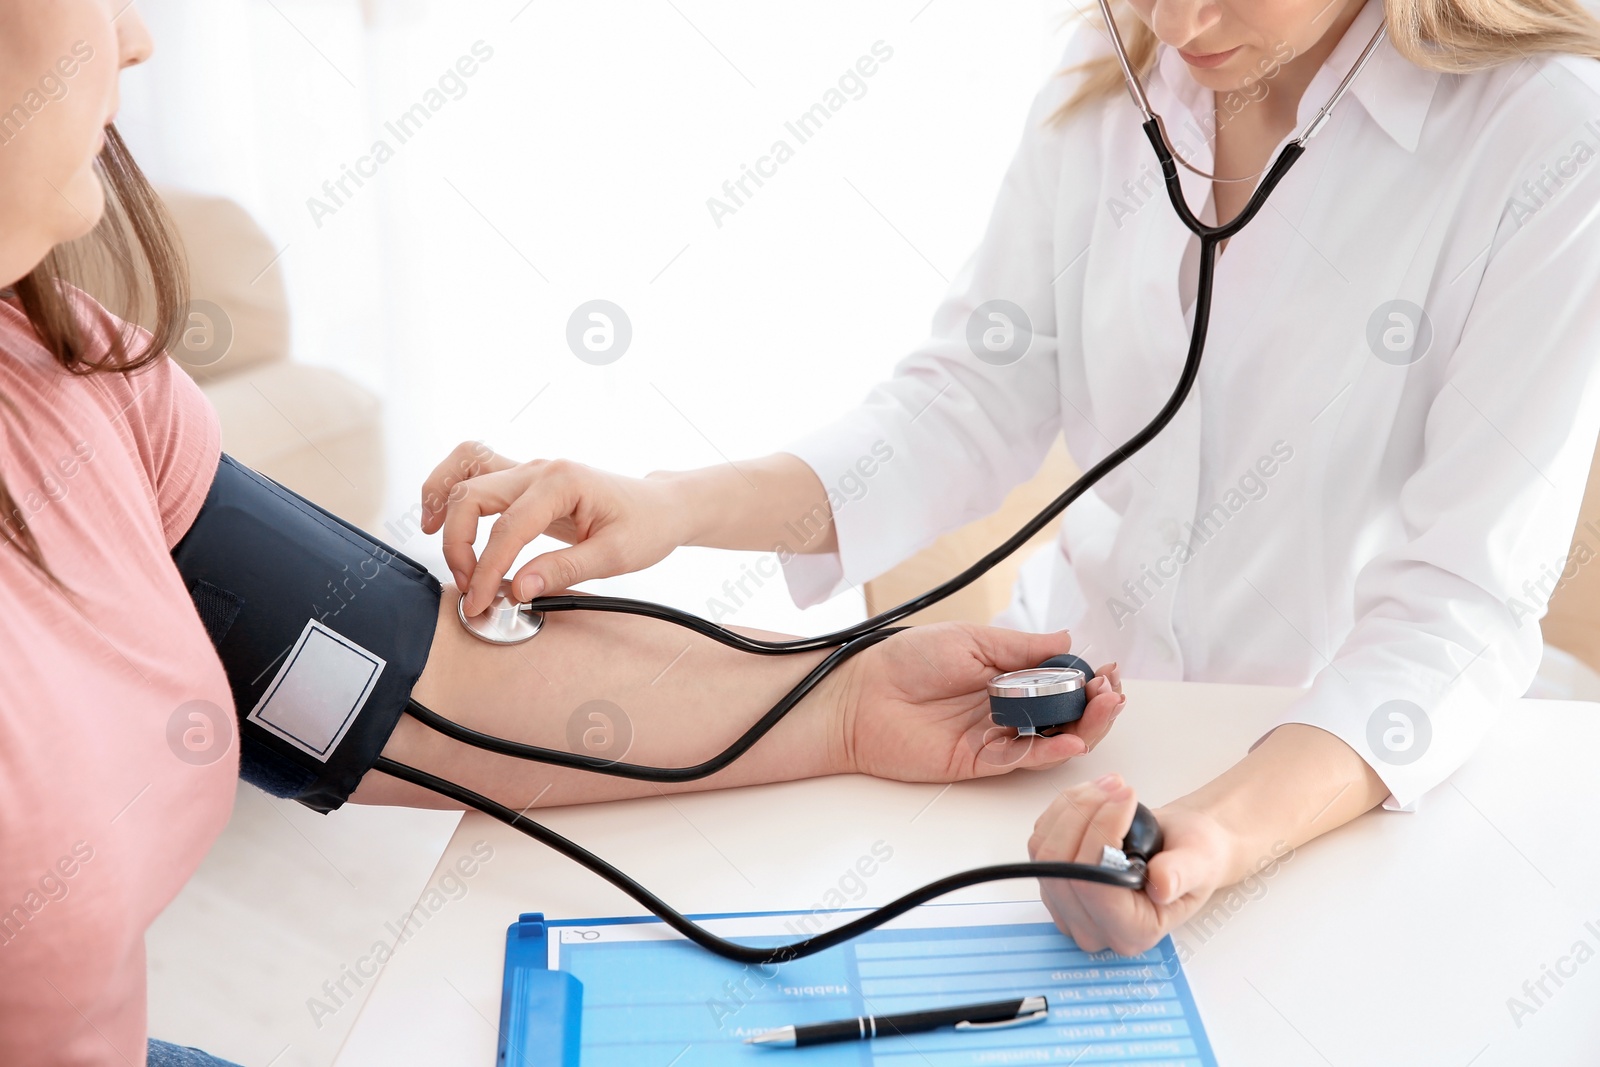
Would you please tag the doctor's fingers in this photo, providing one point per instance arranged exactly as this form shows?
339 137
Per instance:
1126 919
1037 753
999 648
1082 819
1112 673
1059 837
601 555
1110 821
1059 831
503 493
1100 917
1105 704
1110 916
467 460
1075 915
1055 893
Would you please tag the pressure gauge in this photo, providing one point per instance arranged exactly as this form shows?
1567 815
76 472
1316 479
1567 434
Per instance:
1041 699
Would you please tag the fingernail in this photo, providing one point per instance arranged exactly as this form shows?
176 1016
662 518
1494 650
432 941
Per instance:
1121 700
532 586
1108 782
461 579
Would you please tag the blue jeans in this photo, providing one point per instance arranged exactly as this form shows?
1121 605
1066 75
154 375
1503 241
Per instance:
164 1055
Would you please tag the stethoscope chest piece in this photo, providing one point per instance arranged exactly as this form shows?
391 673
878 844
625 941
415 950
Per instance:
1043 698
504 621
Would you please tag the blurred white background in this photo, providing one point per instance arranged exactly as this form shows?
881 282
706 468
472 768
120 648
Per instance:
574 164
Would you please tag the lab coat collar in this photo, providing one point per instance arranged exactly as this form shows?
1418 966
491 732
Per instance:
1395 92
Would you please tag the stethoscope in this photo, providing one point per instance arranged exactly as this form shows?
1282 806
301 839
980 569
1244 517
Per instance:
1036 700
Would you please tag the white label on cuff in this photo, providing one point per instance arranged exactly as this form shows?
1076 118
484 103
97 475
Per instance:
318 692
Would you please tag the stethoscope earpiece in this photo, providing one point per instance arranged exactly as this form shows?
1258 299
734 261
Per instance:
1042 699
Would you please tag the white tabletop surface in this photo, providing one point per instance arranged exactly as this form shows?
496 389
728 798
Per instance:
1398 939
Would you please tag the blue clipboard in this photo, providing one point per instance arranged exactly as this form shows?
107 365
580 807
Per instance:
541 1011
649 996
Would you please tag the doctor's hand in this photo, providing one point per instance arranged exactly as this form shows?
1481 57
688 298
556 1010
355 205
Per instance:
1196 860
916 705
615 525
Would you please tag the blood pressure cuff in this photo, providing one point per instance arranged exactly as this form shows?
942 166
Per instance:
322 630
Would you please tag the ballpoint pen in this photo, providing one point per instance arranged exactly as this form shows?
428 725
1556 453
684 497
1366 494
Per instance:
994 1015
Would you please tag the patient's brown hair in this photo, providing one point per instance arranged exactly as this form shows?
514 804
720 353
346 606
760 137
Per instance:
135 252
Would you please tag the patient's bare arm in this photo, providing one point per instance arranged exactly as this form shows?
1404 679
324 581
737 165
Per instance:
640 691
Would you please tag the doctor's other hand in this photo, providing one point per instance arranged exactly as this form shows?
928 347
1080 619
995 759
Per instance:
614 524
916 705
1196 860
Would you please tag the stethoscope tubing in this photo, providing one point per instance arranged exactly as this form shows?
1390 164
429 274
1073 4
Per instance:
1132 878
601 765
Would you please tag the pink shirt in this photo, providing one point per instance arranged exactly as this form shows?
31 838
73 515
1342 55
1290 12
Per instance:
113 783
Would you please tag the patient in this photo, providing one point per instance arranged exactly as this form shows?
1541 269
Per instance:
108 801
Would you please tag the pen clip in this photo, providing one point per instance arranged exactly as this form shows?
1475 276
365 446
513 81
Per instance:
1000 1024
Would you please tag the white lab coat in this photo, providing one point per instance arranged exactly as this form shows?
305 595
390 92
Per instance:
1376 529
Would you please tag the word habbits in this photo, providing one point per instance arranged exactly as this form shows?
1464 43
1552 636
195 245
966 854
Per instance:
451 85
803 128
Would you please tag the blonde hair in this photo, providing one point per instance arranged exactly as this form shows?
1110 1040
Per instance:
1450 36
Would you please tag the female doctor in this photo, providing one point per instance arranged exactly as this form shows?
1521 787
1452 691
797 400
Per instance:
1390 434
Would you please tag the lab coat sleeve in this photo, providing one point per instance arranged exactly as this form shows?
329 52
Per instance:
941 441
1447 633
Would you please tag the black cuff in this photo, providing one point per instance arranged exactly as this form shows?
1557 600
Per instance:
322 630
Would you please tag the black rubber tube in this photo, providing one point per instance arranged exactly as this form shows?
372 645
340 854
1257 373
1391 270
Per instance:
600 765
1133 878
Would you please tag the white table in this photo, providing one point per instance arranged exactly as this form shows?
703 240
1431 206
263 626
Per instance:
1397 939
